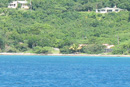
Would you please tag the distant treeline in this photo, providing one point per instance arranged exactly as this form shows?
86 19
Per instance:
64 24
78 5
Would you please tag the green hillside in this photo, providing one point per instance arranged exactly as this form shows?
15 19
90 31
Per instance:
65 24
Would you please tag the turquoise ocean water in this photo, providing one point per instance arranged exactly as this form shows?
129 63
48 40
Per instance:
64 71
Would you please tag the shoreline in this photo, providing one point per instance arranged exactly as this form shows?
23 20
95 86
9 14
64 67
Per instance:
33 54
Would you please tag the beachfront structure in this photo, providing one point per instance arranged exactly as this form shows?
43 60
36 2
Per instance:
14 4
108 48
108 10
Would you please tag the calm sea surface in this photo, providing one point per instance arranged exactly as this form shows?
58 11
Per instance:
54 71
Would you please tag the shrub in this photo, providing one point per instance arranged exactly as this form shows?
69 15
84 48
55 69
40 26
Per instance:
93 49
12 50
65 50
46 50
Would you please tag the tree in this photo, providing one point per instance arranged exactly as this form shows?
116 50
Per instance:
94 49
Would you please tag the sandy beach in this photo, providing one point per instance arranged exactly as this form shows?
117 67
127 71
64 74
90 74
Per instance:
31 54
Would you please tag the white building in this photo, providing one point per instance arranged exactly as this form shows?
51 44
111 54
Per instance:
108 46
14 4
108 10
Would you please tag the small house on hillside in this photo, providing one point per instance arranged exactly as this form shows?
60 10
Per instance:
108 48
23 4
108 10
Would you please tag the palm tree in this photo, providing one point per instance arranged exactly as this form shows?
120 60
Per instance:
74 47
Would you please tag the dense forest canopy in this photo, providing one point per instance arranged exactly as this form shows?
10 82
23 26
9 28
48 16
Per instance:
64 24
